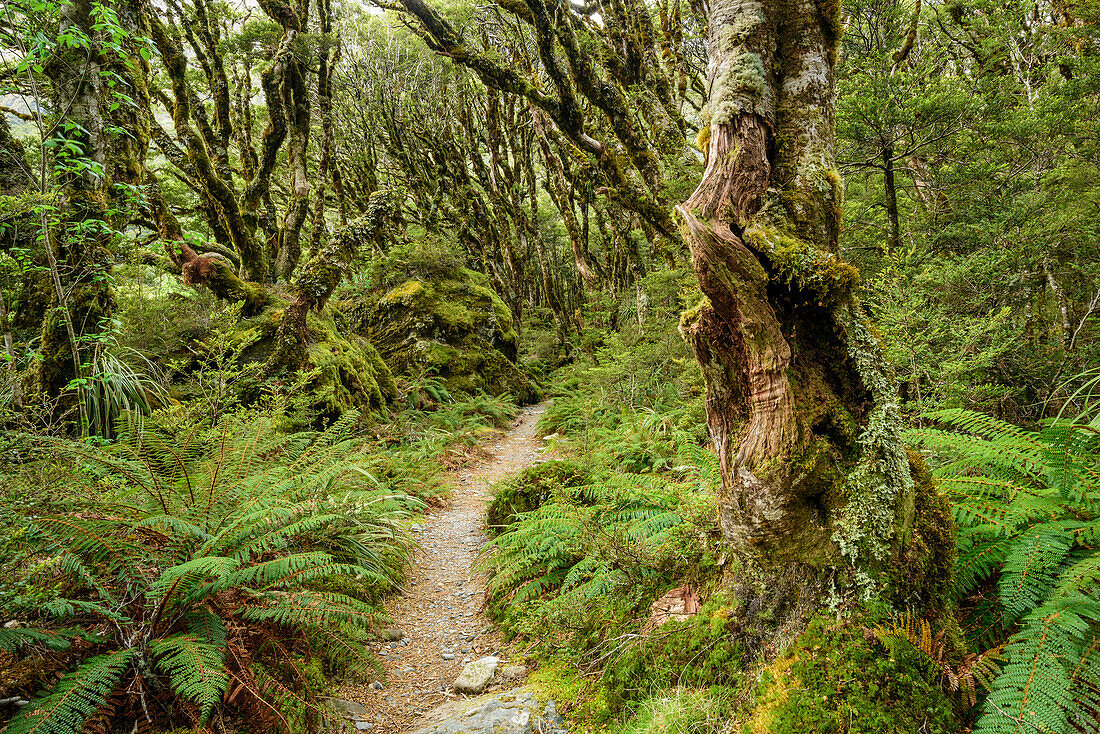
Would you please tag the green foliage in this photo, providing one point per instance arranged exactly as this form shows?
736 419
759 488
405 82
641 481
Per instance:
195 665
113 389
984 283
591 556
680 711
835 679
1026 506
212 554
75 698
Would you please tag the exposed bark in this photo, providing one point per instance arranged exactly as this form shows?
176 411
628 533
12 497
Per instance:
803 414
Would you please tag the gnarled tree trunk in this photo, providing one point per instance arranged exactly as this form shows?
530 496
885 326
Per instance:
817 490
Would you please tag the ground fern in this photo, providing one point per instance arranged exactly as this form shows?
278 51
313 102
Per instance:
1027 504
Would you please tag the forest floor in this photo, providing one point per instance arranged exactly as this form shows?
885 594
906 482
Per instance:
439 611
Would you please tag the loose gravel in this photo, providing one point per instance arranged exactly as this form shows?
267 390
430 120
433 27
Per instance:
439 611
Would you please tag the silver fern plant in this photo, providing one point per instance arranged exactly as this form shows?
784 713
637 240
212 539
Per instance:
195 565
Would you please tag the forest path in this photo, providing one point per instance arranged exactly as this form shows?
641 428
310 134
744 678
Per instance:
438 613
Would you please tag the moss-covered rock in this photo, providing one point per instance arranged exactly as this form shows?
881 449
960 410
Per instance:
838 678
453 325
347 371
531 489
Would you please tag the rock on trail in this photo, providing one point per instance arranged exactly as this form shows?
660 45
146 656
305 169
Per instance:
438 627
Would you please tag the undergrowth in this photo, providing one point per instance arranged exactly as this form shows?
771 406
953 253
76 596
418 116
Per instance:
189 573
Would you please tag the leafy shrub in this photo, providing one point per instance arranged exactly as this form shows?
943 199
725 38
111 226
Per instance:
586 562
1026 507
192 574
531 489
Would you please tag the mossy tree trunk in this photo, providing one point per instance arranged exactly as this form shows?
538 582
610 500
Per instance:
816 484
323 273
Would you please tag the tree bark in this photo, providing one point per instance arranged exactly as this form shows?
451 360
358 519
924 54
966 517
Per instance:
816 485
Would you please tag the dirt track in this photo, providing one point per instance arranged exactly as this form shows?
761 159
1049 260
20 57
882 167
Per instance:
439 609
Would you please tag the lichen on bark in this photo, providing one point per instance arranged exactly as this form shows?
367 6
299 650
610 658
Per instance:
818 491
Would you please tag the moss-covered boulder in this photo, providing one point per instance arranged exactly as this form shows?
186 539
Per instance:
347 371
534 486
839 678
453 325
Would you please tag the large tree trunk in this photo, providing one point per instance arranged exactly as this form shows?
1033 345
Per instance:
817 494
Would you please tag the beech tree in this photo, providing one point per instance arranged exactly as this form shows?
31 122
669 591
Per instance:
818 494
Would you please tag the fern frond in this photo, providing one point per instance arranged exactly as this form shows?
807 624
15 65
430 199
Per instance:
1035 688
17 638
75 698
193 579
311 609
195 670
1032 567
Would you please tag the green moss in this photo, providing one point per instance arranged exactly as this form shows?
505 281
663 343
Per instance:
581 698
452 324
534 486
345 372
798 262
924 561
835 679
701 651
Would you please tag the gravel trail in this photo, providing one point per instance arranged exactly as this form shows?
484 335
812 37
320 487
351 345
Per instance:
438 611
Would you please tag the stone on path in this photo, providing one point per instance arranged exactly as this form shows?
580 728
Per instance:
476 675
346 708
509 712
513 672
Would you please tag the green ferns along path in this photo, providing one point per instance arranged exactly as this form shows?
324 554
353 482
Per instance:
439 611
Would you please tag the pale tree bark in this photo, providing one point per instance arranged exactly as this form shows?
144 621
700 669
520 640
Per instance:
817 490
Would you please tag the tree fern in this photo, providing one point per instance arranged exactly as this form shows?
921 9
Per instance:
1027 506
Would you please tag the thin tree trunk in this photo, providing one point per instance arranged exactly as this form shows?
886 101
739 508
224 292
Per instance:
893 221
